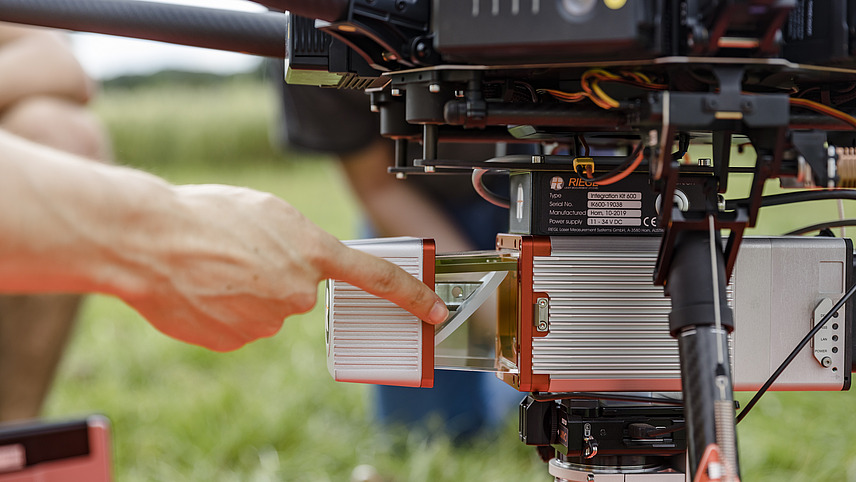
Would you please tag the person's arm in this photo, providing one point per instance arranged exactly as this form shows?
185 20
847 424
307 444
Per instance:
211 265
39 62
394 207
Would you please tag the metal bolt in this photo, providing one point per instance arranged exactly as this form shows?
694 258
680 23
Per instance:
826 362
421 49
542 326
542 303
434 88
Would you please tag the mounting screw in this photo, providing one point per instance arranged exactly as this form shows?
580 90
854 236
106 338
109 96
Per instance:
711 104
400 5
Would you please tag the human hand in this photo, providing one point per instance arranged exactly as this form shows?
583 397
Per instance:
236 262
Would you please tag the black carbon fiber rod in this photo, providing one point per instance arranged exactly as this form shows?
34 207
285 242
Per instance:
251 33
329 10
696 285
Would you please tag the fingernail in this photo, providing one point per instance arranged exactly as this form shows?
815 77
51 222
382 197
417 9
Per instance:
438 313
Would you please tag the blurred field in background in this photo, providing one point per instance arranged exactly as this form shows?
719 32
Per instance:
270 411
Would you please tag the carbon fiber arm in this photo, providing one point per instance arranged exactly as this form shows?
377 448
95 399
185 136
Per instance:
252 33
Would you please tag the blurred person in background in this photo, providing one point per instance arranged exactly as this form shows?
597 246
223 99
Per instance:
43 97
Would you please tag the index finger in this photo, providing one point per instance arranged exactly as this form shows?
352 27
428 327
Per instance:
382 278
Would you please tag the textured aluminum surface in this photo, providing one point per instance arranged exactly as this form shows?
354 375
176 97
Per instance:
607 320
370 339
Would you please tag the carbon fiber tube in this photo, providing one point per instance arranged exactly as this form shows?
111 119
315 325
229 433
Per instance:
703 350
329 10
252 33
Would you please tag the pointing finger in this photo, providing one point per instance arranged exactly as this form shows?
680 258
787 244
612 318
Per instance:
382 278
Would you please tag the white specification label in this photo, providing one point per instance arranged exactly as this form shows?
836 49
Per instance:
614 222
615 213
615 196
615 204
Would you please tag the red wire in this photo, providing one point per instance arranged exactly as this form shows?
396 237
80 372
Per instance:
621 175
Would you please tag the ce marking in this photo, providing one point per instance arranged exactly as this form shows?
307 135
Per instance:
650 222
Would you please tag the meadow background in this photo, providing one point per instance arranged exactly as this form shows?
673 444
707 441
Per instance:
270 411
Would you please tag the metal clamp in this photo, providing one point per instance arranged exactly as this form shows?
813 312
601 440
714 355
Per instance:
542 315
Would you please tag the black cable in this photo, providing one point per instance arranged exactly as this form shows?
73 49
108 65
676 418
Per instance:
261 33
794 353
795 197
821 226
549 397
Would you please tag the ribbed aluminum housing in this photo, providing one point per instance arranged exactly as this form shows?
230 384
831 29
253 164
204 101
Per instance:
370 339
607 320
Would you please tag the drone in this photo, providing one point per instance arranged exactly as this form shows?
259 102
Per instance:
612 209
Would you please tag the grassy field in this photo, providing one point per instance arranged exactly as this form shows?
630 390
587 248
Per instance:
269 411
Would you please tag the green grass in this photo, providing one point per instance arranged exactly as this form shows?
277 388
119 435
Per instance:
270 410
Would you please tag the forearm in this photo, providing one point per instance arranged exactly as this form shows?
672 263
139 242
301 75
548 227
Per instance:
39 62
74 226
217 266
